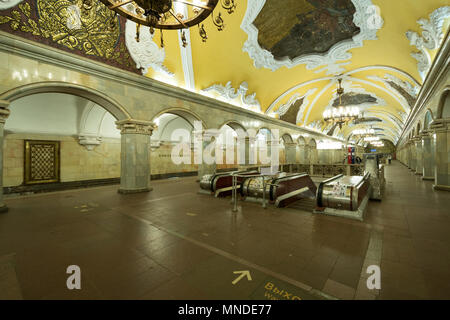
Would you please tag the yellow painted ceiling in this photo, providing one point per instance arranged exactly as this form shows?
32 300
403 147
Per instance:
221 59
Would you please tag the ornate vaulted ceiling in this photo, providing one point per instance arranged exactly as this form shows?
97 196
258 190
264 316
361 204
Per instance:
282 58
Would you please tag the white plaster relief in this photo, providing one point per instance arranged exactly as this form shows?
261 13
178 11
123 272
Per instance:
350 87
229 93
413 91
6 4
186 52
285 107
369 68
432 36
146 52
89 142
315 126
366 18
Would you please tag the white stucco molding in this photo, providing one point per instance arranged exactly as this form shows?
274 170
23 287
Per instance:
229 93
89 141
432 36
146 52
285 107
366 17
186 52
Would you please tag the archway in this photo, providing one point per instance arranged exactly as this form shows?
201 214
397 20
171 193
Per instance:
68 141
313 153
303 151
288 153
232 142
111 105
444 104
427 120
172 143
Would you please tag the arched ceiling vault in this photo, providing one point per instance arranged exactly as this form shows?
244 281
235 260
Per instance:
282 58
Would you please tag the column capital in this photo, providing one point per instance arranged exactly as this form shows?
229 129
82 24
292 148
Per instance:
424 134
246 139
205 133
440 125
290 144
273 142
131 126
4 110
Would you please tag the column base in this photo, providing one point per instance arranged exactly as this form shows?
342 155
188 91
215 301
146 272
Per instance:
130 191
441 187
3 208
427 178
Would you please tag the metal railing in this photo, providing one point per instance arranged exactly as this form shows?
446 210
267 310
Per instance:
234 189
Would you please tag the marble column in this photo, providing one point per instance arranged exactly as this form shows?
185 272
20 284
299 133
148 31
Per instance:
412 156
427 157
306 159
418 147
441 128
203 140
290 149
314 156
4 113
135 155
247 155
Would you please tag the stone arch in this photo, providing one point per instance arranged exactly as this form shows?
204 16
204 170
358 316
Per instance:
111 105
418 128
262 129
428 118
186 114
301 141
287 138
313 152
444 104
235 125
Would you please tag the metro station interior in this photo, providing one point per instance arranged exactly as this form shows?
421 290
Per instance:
224 150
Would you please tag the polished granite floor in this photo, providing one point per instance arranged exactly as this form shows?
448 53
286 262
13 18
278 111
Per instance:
173 243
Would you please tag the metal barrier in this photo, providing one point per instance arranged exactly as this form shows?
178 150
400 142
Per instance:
234 188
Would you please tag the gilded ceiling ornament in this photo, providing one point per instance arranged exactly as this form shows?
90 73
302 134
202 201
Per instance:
85 25
366 18
229 93
100 31
432 36
146 53
6 4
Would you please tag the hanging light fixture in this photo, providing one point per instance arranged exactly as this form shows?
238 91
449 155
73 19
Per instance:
166 14
340 115
364 132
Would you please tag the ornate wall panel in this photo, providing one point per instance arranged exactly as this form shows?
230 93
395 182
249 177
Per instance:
41 161
83 27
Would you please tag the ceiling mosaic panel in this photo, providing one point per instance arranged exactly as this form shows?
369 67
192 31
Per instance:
308 27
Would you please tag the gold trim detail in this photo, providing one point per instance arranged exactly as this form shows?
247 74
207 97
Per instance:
92 29
42 161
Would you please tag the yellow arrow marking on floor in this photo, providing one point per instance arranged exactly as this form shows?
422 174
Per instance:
243 274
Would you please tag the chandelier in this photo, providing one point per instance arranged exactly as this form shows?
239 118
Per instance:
364 132
170 14
377 143
371 139
340 115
